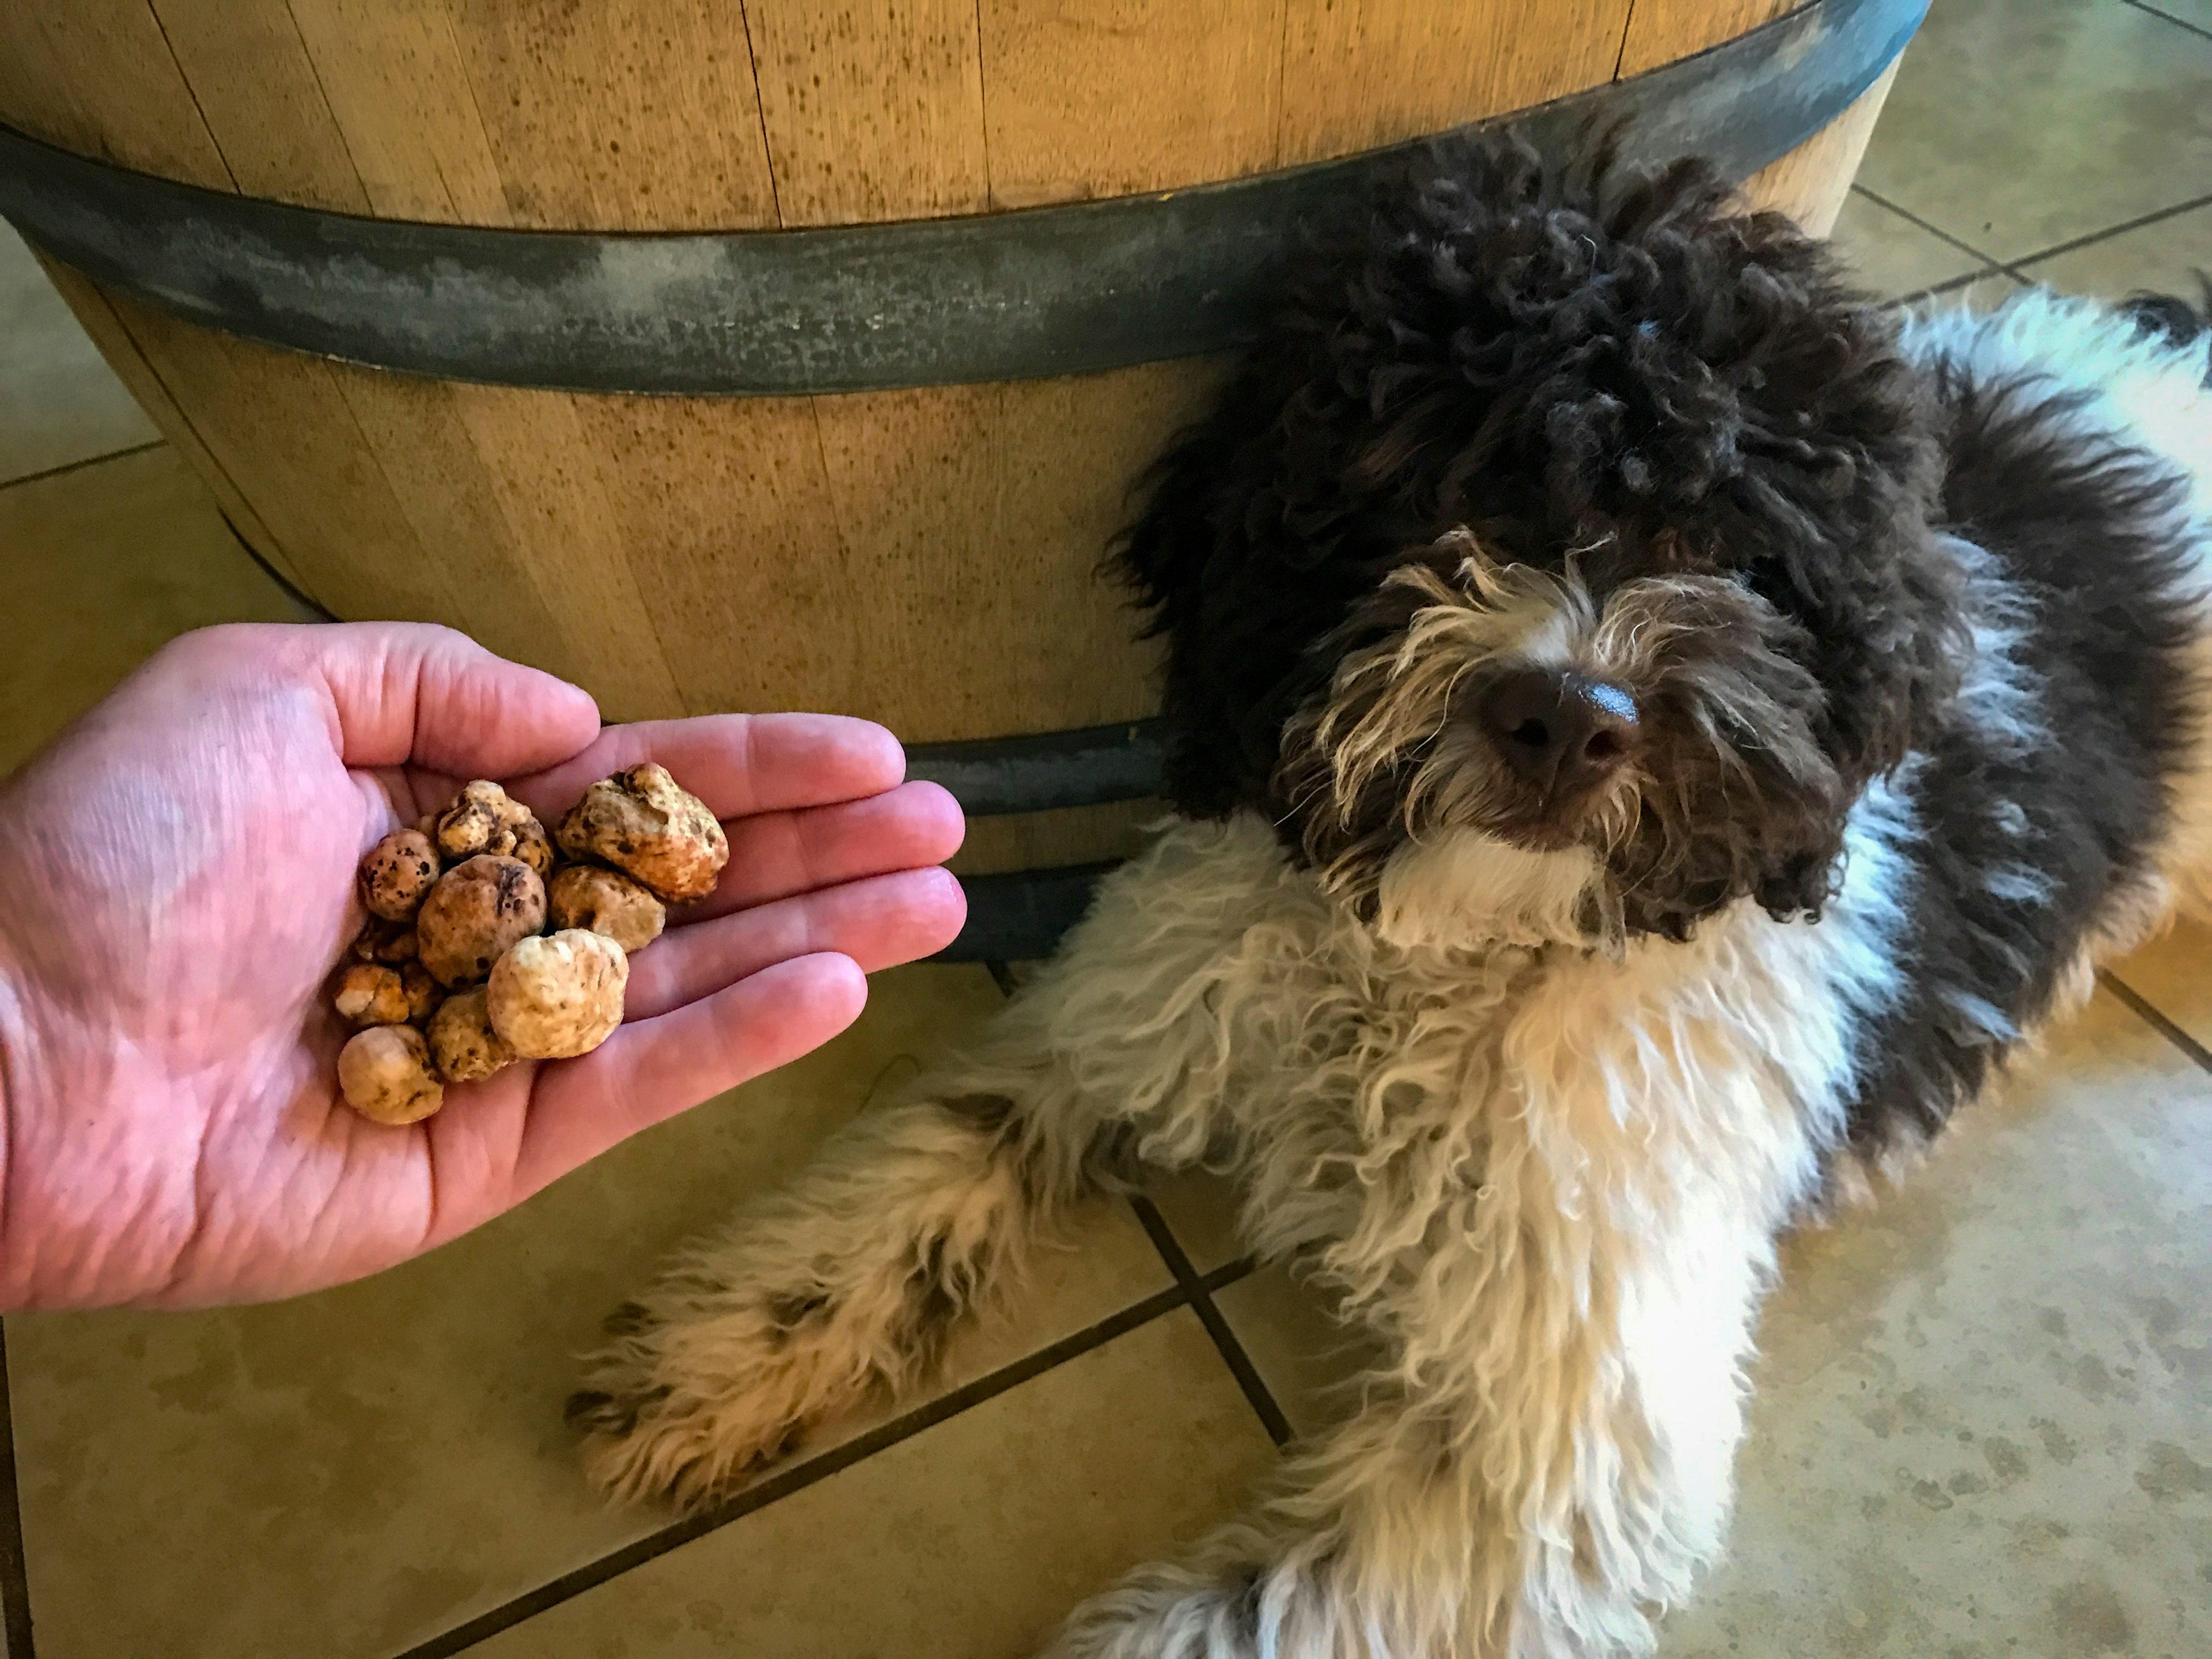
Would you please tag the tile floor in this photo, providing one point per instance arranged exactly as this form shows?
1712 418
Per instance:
1984 1419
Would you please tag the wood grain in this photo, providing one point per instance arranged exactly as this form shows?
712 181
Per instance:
393 77
97 76
1360 73
737 550
1089 98
255 87
1810 183
1661 31
872 112
620 115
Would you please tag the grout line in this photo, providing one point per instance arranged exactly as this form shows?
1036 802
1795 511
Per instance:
1240 1364
2178 22
2015 266
1935 230
15 1585
68 467
1964 279
2151 1017
1949 285
800 1476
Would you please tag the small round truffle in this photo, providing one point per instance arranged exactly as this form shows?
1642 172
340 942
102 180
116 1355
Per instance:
478 909
368 994
486 819
385 1075
397 872
557 997
462 1042
605 901
639 822
424 993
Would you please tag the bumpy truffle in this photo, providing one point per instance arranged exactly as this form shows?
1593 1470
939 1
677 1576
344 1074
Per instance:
639 822
478 909
558 997
385 1074
367 994
605 901
397 872
485 819
462 1042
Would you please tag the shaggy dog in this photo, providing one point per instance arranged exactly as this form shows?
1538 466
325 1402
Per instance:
1652 732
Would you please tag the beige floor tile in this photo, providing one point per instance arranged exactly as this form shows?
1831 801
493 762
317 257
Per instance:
2016 124
1201 1211
1891 256
1303 1354
59 402
1983 1415
1983 1419
2174 974
1983 293
2164 257
105 564
353 1472
968 1542
2197 14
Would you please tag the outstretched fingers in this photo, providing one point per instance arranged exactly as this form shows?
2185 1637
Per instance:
775 855
657 1066
738 764
877 923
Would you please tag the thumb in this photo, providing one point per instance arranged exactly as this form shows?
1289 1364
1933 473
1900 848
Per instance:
408 693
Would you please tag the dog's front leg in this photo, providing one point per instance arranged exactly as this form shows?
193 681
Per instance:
1543 1463
845 1283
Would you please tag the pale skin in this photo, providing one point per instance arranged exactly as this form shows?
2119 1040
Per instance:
176 883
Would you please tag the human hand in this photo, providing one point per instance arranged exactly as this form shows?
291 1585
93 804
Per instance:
177 884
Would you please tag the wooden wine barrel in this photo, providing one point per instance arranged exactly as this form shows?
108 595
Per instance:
760 353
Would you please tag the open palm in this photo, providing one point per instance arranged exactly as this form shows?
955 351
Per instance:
176 883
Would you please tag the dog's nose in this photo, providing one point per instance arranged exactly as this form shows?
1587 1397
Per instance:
1563 731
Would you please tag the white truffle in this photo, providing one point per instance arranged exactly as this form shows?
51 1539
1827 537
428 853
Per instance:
643 825
462 1042
557 997
605 901
487 819
397 873
478 909
385 1074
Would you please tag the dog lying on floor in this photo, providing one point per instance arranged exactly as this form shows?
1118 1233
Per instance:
1652 732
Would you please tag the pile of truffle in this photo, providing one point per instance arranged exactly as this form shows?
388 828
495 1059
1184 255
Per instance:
456 976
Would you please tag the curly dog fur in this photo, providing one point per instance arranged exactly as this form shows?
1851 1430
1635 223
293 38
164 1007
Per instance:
1652 732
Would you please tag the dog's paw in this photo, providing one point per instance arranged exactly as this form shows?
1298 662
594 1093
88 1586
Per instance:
685 1408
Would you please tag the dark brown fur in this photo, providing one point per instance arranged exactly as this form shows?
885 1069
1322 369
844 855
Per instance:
1591 360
